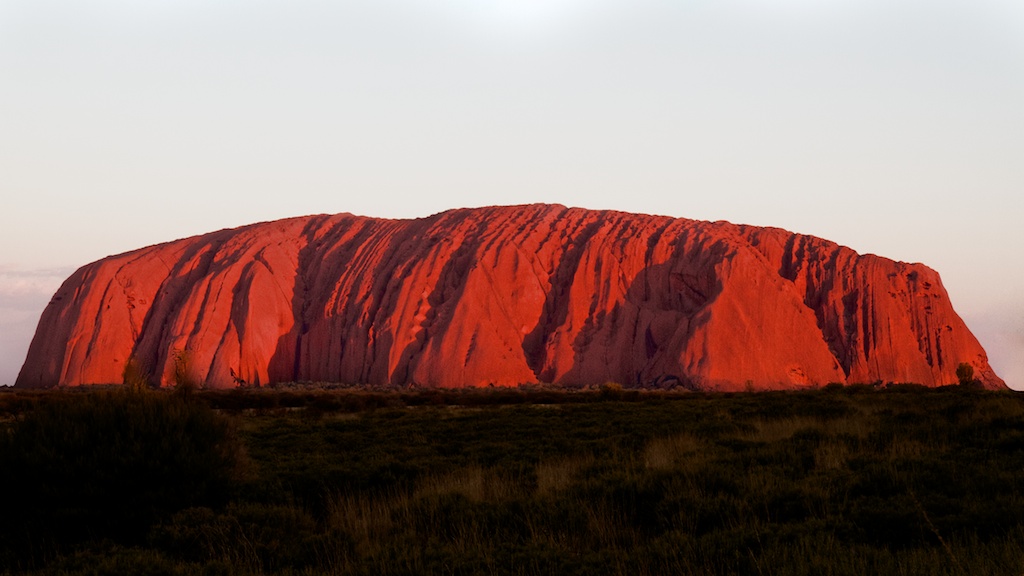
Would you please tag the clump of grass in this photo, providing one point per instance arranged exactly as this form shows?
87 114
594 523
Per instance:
558 475
673 452
473 483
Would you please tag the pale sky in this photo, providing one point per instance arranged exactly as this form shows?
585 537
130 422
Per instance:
894 127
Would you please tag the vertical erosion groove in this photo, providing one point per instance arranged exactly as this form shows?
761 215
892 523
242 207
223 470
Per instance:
556 304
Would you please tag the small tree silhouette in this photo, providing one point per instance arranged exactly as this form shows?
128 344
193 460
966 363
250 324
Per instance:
185 382
965 373
135 377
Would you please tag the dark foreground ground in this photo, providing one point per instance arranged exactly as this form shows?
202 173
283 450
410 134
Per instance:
837 481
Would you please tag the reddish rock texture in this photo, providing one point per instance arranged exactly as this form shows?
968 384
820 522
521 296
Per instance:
503 296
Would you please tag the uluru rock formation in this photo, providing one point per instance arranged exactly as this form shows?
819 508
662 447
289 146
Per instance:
504 296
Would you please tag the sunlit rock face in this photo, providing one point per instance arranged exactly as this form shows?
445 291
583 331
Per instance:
504 296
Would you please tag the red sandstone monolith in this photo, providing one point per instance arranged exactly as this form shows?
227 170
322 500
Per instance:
504 296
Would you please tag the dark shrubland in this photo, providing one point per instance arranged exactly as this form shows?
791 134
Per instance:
837 481
82 467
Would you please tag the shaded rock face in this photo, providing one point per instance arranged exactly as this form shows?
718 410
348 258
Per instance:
504 296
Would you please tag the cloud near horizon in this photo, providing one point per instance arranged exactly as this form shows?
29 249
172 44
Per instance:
23 295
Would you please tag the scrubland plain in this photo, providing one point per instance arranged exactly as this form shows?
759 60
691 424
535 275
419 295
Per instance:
843 480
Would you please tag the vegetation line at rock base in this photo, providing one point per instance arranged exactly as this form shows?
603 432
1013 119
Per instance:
836 481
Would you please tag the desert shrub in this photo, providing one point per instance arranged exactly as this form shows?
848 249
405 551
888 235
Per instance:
185 380
965 373
611 391
111 560
135 375
108 465
259 538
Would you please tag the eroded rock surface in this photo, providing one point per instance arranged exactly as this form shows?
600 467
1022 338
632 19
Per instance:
504 296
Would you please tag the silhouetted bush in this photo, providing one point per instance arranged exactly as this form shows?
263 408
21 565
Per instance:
965 373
